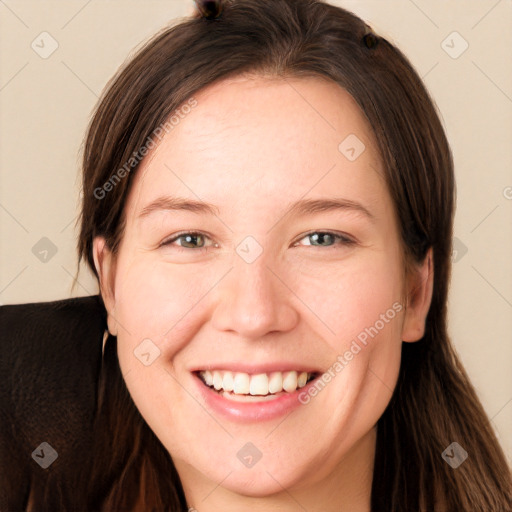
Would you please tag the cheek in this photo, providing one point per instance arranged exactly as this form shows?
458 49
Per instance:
339 299
159 302
350 296
360 305
151 297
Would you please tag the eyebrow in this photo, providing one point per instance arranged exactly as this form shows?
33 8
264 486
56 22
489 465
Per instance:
300 208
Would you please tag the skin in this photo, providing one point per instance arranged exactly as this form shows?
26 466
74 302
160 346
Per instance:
251 146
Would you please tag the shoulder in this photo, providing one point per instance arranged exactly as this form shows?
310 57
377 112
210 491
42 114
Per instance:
50 362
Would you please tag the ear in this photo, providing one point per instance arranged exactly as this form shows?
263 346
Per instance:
104 262
419 296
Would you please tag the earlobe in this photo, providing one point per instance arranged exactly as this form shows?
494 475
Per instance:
105 267
419 297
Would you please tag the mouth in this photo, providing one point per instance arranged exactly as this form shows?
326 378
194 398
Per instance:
241 386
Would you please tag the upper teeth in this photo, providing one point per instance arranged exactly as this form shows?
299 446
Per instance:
259 384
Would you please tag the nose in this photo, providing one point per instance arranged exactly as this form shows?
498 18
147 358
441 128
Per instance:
254 300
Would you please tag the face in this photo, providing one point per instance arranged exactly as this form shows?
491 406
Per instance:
253 289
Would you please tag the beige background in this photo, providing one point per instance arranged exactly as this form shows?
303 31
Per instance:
46 102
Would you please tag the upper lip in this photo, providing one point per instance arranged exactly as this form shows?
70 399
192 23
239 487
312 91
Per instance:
253 369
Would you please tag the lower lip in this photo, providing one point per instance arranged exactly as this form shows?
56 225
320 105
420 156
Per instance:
246 412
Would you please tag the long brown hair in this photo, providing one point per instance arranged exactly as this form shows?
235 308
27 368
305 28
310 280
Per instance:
434 403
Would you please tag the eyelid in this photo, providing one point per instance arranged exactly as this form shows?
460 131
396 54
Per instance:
174 237
343 237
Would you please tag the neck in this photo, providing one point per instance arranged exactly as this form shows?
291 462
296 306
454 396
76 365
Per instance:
345 489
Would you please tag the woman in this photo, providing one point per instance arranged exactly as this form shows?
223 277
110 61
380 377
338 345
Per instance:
268 207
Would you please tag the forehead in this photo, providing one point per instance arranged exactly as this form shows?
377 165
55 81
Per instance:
255 139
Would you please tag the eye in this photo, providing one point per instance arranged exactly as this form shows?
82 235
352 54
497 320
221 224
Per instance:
190 238
320 237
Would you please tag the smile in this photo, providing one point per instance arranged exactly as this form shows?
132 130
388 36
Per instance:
261 384
253 397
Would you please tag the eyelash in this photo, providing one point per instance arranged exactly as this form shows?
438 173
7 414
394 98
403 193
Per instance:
343 240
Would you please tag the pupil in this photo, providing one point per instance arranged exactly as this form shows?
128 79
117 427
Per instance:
191 238
316 237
